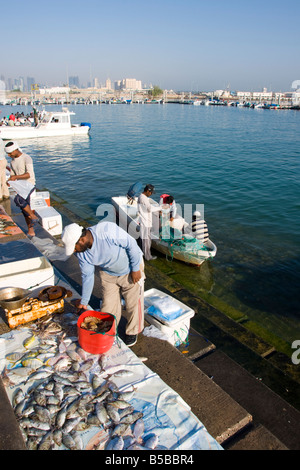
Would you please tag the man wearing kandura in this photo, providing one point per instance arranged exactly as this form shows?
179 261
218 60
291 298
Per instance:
145 219
121 271
4 191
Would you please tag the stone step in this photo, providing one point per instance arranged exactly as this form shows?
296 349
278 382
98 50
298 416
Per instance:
267 408
222 416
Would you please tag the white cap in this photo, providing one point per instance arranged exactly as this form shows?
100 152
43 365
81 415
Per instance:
197 214
70 236
11 147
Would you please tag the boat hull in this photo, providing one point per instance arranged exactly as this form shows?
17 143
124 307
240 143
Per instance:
128 214
11 133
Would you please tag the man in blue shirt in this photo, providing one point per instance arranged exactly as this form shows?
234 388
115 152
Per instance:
121 271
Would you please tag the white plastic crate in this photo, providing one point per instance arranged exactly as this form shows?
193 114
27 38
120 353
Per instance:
27 273
50 219
176 330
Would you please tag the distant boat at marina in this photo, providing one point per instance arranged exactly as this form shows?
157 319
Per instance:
56 123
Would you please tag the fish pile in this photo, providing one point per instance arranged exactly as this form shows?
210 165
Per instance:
96 324
65 391
5 225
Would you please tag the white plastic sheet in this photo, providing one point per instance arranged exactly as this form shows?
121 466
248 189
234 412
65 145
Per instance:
164 412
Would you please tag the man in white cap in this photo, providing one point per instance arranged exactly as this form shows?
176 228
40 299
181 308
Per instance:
121 271
21 168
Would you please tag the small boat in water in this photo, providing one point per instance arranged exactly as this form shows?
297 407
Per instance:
54 123
179 244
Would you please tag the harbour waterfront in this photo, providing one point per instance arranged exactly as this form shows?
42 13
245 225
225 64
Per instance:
241 163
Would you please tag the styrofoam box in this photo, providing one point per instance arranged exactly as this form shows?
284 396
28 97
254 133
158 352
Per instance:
27 273
37 203
41 195
175 330
50 220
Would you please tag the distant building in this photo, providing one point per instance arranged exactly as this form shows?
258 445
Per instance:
74 81
30 81
2 92
108 84
128 84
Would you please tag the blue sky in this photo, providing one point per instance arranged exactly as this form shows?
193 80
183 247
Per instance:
179 44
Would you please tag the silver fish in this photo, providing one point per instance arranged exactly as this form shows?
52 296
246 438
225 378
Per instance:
62 364
115 444
18 397
61 418
14 357
57 437
126 395
40 398
37 433
68 441
113 413
77 439
62 380
43 414
82 353
151 442
28 411
34 423
122 373
70 391
120 429
53 401
132 418
58 392
20 407
70 424
74 356
42 374
87 364
92 420
139 428
102 361
96 381
119 404
53 409
101 413
126 411
46 442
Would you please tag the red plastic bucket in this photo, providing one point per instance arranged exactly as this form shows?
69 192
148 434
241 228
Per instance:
98 343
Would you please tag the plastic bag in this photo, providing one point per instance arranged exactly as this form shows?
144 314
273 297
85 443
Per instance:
22 188
49 249
154 332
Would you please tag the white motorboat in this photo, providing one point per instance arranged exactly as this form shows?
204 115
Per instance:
184 247
54 123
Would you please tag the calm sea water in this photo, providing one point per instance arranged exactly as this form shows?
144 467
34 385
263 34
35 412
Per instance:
242 164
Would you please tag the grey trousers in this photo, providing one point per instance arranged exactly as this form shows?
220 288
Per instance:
146 241
114 288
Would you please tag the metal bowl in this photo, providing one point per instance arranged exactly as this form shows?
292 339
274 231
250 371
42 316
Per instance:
13 297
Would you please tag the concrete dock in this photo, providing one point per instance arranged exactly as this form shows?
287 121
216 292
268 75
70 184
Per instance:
238 409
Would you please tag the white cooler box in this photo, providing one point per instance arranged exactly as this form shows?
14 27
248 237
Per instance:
27 273
50 219
44 195
175 330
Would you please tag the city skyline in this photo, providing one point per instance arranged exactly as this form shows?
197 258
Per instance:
181 45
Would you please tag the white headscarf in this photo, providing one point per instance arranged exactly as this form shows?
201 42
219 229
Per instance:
11 148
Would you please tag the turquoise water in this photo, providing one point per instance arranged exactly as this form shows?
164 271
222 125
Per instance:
242 164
